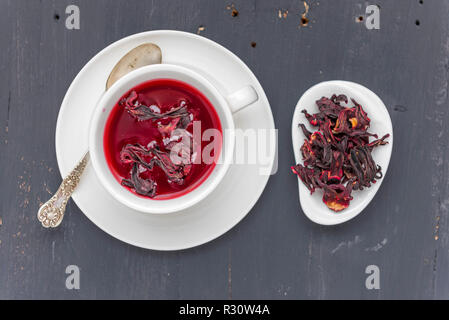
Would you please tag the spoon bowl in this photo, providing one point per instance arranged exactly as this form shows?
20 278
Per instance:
312 205
141 56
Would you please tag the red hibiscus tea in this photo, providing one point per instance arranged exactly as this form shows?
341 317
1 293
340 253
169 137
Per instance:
149 140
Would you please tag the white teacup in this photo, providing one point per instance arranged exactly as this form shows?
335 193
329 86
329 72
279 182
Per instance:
225 107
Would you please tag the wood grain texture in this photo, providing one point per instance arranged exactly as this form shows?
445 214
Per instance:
275 252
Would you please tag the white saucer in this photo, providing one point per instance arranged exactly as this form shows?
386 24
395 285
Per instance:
209 219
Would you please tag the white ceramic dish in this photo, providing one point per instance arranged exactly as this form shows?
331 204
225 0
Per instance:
312 205
227 205
224 110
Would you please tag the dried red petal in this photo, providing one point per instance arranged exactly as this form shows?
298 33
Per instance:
337 197
339 153
143 113
144 187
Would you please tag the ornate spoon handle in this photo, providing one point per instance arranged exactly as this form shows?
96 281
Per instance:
51 213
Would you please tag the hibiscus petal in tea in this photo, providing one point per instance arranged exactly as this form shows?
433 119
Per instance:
149 140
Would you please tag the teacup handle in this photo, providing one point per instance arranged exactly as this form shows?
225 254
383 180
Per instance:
242 98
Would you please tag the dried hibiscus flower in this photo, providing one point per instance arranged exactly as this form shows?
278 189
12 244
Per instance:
144 187
142 158
147 159
143 113
337 157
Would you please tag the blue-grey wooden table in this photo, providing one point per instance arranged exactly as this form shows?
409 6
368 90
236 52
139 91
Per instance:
276 252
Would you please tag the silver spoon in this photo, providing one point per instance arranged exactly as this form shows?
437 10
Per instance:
51 213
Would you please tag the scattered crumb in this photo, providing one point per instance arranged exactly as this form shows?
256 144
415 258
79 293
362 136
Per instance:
234 11
282 14
25 187
200 29
253 44
359 19
437 228
304 19
47 189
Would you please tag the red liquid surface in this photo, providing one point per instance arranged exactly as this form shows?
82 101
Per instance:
122 129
